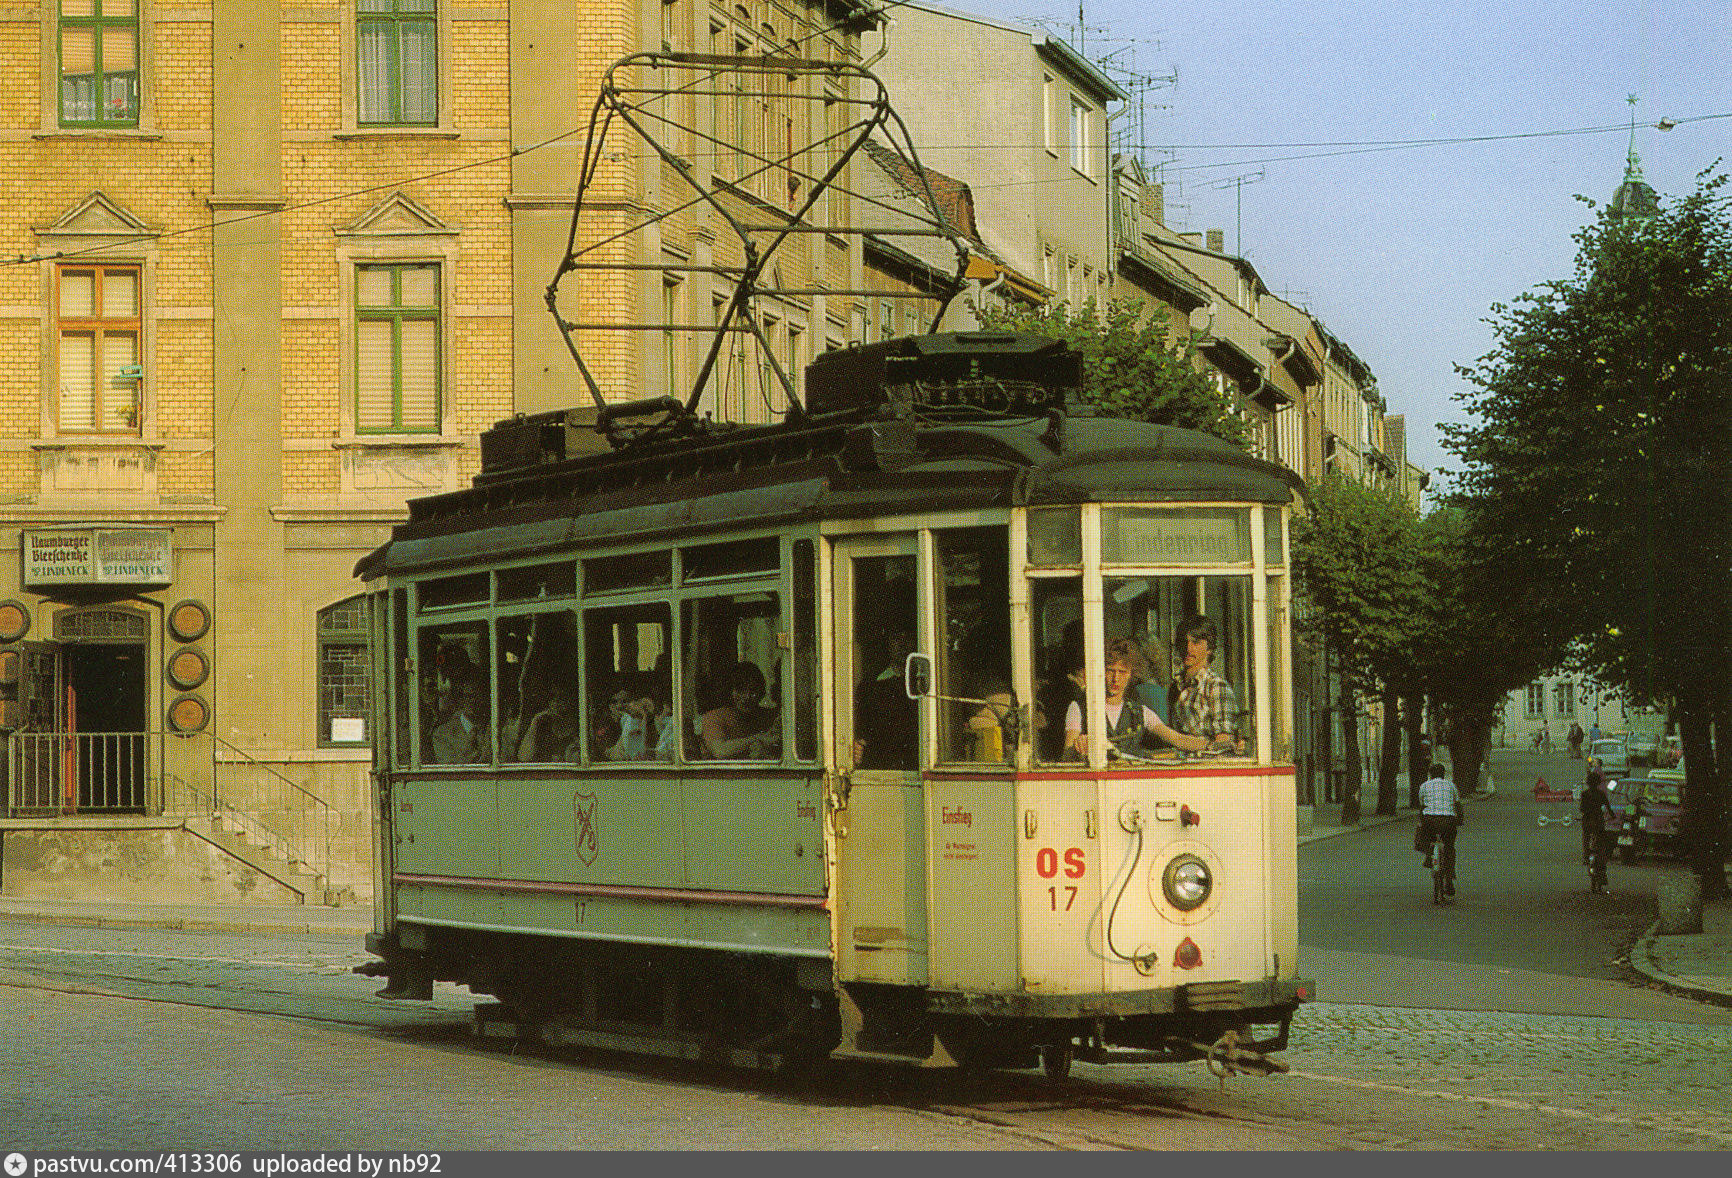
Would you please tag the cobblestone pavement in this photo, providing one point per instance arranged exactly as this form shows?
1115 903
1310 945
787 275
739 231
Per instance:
1409 1078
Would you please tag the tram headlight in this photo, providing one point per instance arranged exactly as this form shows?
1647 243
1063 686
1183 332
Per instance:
1187 882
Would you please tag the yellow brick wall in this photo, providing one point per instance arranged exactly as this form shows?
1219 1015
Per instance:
183 379
20 71
186 475
181 76
312 76
310 378
19 476
20 373
310 474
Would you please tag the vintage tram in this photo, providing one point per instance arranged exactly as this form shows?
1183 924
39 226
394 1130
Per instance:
762 743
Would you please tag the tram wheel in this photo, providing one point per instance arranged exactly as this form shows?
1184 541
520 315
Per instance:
1055 1060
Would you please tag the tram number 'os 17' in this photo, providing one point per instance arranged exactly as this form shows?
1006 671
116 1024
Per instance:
1047 864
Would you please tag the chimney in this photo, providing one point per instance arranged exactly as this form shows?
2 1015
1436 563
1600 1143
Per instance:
1156 203
1217 241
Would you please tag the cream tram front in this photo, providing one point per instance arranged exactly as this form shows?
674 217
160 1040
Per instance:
938 723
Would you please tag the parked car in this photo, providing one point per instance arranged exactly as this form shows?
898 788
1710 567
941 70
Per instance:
1675 772
1642 747
1670 752
1650 818
1610 756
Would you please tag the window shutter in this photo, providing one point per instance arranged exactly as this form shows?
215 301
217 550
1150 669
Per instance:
119 393
420 374
77 380
375 386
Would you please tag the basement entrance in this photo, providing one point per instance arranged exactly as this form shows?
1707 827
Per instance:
84 699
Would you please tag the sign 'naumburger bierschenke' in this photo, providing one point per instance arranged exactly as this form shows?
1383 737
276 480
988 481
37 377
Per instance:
97 556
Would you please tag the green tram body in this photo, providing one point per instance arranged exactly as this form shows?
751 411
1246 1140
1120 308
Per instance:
987 903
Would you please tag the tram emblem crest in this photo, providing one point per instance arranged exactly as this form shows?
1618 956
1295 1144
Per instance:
587 842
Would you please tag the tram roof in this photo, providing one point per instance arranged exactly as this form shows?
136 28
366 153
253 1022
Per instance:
778 476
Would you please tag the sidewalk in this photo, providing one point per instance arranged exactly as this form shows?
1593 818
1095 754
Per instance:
354 920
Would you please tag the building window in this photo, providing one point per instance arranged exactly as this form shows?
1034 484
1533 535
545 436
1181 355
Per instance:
1081 154
397 349
1566 698
1536 700
98 349
343 660
397 61
99 63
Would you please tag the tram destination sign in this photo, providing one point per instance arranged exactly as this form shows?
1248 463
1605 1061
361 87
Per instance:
97 556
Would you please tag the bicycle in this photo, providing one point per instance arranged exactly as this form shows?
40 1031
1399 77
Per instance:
1442 878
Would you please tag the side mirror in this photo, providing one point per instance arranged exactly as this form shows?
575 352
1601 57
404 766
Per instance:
917 675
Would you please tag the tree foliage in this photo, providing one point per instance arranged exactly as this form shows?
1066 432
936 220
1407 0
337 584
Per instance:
1359 594
1596 469
1131 369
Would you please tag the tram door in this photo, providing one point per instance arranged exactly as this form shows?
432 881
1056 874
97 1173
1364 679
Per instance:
882 919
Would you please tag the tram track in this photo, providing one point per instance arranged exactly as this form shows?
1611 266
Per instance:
1012 1110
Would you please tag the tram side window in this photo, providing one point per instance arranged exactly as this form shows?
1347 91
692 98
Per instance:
628 674
1057 632
454 694
538 688
733 670
973 662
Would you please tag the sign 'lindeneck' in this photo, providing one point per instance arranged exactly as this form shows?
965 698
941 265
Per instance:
98 556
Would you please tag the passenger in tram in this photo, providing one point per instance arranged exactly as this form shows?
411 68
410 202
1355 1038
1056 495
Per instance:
552 733
1204 704
742 729
466 738
886 721
626 730
1128 723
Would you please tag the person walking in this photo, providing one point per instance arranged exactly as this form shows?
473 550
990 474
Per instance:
1575 742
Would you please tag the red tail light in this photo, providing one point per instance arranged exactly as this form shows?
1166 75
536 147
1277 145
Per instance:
1188 956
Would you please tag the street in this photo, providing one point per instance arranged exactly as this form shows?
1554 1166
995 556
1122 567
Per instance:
1503 1021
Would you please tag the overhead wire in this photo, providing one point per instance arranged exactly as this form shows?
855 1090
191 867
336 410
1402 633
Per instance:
1340 148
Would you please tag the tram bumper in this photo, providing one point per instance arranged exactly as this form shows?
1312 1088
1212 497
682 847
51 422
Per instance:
1244 999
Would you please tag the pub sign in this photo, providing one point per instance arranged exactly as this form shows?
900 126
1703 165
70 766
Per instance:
97 556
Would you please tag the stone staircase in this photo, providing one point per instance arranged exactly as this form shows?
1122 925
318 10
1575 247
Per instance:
249 842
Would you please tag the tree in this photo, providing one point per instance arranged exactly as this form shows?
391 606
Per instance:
1485 630
1131 369
1356 574
1597 468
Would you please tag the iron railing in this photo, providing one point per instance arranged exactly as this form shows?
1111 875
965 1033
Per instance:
84 773
112 774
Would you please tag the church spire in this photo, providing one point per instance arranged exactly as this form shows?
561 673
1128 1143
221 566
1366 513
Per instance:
1634 198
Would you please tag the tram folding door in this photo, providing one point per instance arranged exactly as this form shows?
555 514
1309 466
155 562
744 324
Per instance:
881 932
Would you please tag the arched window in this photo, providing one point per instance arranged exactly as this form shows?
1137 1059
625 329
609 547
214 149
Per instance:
344 653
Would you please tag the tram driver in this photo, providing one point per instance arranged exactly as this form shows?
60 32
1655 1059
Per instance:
1128 721
1203 703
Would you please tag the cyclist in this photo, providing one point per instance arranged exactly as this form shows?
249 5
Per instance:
1439 819
1597 833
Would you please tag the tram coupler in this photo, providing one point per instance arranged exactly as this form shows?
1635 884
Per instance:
1226 1057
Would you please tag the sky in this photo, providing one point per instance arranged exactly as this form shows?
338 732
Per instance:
1402 253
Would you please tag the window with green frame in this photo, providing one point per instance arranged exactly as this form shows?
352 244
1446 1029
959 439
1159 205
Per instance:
344 641
99 63
397 348
397 50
